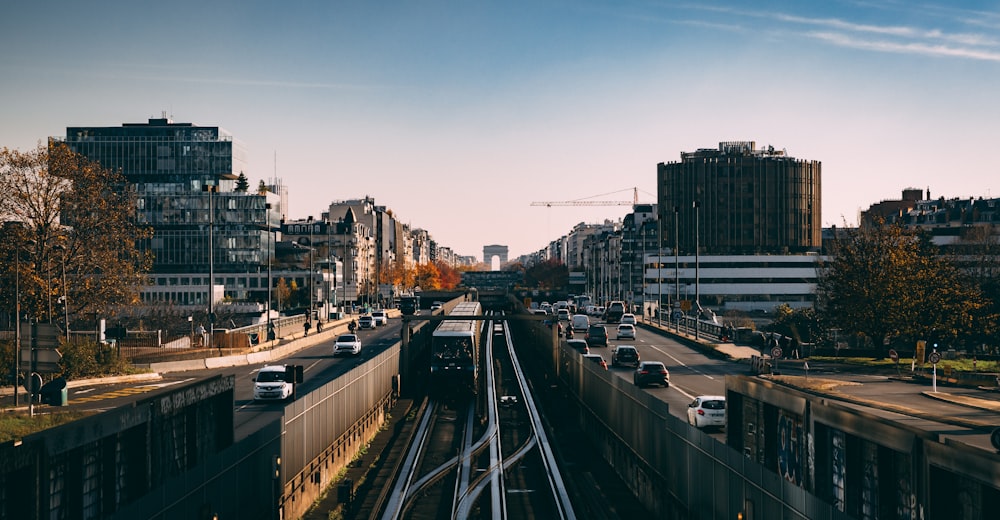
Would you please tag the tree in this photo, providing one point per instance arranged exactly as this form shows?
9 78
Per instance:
262 188
550 274
76 218
448 277
242 184
428 277
886 283
282 292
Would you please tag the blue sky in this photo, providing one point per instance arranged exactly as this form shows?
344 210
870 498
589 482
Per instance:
458 115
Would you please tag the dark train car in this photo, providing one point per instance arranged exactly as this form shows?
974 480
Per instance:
455 352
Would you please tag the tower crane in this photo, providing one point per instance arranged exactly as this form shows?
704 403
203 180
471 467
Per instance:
587 202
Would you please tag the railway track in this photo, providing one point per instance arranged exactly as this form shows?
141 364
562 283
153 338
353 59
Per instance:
466 463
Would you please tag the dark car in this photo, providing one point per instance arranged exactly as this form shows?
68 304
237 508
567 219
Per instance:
597 336
578 345
625 355
651 373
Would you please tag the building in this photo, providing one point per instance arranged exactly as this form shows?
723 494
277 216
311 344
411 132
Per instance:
206 218
740 200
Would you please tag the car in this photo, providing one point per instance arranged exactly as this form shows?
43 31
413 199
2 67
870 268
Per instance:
347 344
625 331
596 310
625 355
597 358
366 322
628 318
436 306
272 382
651 373
597 336
707 411
580 322
579 345
380 317
563 315
614 312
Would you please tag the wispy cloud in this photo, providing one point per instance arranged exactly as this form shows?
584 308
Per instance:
845 40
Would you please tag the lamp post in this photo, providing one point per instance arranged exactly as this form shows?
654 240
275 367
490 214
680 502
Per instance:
642 270
697 287
677 265
312 291
211 188
267 222
659 272
17 311
65 288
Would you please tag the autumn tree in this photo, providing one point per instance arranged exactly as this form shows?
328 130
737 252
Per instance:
428 277
448 277
888 283
70 220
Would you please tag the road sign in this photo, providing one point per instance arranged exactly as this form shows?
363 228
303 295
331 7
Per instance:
776 352
46 360
40 334
893 355
934 358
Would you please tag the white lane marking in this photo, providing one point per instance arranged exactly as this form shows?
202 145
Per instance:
679 362
83 391
169 383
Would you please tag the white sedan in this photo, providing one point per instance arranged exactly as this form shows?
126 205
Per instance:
347 344
707 410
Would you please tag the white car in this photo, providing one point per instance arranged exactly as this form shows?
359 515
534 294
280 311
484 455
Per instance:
625 331
273 382
380 317
628 318
347 344
707 411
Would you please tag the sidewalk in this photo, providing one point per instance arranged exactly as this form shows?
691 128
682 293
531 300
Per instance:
731 350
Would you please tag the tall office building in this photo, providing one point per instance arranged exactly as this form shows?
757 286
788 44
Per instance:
749 201
186 180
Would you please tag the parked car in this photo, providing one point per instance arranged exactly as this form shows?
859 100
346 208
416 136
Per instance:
347 344
380 317
597 358
366 322
628 318
625 331
651 373
579 345
625 355
707 411
597 336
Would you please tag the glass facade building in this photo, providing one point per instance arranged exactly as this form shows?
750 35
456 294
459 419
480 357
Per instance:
749 201
172 166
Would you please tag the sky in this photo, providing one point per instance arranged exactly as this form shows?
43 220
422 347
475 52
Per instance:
457 116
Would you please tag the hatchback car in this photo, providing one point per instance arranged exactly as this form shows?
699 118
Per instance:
625 355
597 358
707 411
625 331
597 336
347 344
651 373
628 318
578 345
366 322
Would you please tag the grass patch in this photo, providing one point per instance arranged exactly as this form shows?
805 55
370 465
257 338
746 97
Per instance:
957 365
16 425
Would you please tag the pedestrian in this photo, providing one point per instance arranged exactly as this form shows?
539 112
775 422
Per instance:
319 326
306 326
201 334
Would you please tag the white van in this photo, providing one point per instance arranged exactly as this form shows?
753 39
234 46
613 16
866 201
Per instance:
581 322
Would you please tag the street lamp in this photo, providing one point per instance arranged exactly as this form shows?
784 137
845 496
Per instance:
211 188
677 266
312 291
697 286
17 310
65 288
267 222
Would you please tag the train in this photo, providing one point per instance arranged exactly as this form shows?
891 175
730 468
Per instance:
455 351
